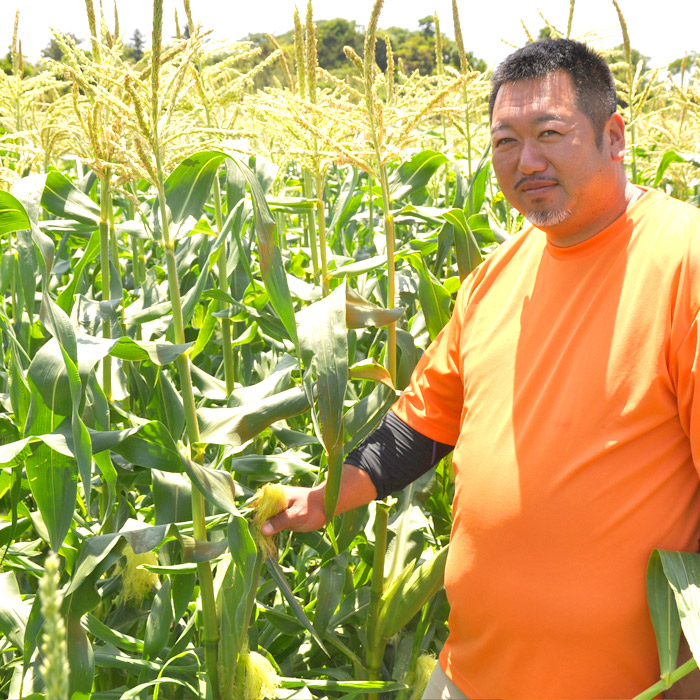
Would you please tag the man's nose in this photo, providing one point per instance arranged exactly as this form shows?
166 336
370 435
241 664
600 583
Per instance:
531 158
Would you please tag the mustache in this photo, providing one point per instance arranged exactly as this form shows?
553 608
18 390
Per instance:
534 178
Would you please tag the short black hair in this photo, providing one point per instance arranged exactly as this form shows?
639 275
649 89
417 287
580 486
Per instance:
594 83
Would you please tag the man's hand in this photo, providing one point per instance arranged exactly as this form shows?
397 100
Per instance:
304 511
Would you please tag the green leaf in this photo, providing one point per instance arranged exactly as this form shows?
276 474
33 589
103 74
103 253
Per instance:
362 418
100 552
149 445
415 173
279 578
62 198
408 357
360 313
235 426
434 299
670 157
682 569
372 370
13 216
188 187
330 590
53 476
216 485
172 497
136 691
81 660
98 629
159 620
271 267
14 612
360 267
66 298
347 202
353 687
468 254
323 334
239 584
664 614
409 592
485 233
267 467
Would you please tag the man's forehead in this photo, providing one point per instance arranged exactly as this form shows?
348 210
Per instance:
550 95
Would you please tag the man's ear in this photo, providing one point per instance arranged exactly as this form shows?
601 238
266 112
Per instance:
614 134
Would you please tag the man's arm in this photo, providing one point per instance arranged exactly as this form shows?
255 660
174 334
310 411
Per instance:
305 512
393 456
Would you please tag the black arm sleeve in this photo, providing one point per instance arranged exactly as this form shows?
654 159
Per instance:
395 454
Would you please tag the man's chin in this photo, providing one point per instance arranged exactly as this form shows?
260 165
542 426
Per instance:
547 217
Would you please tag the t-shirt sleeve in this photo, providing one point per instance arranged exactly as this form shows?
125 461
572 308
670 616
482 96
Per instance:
432 402
395 454
684 349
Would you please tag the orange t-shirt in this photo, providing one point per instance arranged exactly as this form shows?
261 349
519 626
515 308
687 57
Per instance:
566 380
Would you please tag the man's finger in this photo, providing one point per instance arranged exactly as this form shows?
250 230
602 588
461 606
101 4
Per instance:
275 524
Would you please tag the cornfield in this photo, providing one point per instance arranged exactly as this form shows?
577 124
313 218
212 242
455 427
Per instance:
209 289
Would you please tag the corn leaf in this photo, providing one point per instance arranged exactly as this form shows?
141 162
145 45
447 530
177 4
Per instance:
188 187
279 578
670 157
14 612
271 267
664 614
216 485
409 592
62 198
239 583
415 173
13 216
235 426
434 299
330 590
159 620
323 334
81 659
468 254
360 313
682 570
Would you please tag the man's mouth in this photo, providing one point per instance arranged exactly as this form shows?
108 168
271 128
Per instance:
534 186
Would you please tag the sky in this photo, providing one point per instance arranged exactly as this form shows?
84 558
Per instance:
490 27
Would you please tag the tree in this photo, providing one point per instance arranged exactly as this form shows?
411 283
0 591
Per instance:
53 50
331 36
427 26
134 49
687 64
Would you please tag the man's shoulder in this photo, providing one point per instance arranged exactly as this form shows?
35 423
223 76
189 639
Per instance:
660 206
666 224
517 248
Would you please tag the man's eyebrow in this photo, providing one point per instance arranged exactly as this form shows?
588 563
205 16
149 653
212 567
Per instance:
548 117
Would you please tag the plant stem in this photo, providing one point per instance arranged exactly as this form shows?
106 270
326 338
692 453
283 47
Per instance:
675 675
313 240
229 372
375 643
321 216
210 627
391 272
105 208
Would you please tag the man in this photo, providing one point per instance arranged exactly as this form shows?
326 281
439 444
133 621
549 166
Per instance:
565 379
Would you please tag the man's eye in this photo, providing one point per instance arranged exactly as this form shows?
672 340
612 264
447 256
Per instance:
549 132
504 141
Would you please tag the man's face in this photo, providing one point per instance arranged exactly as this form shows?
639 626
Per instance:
548 163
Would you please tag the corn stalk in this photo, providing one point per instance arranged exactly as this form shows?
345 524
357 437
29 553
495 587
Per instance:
210 629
